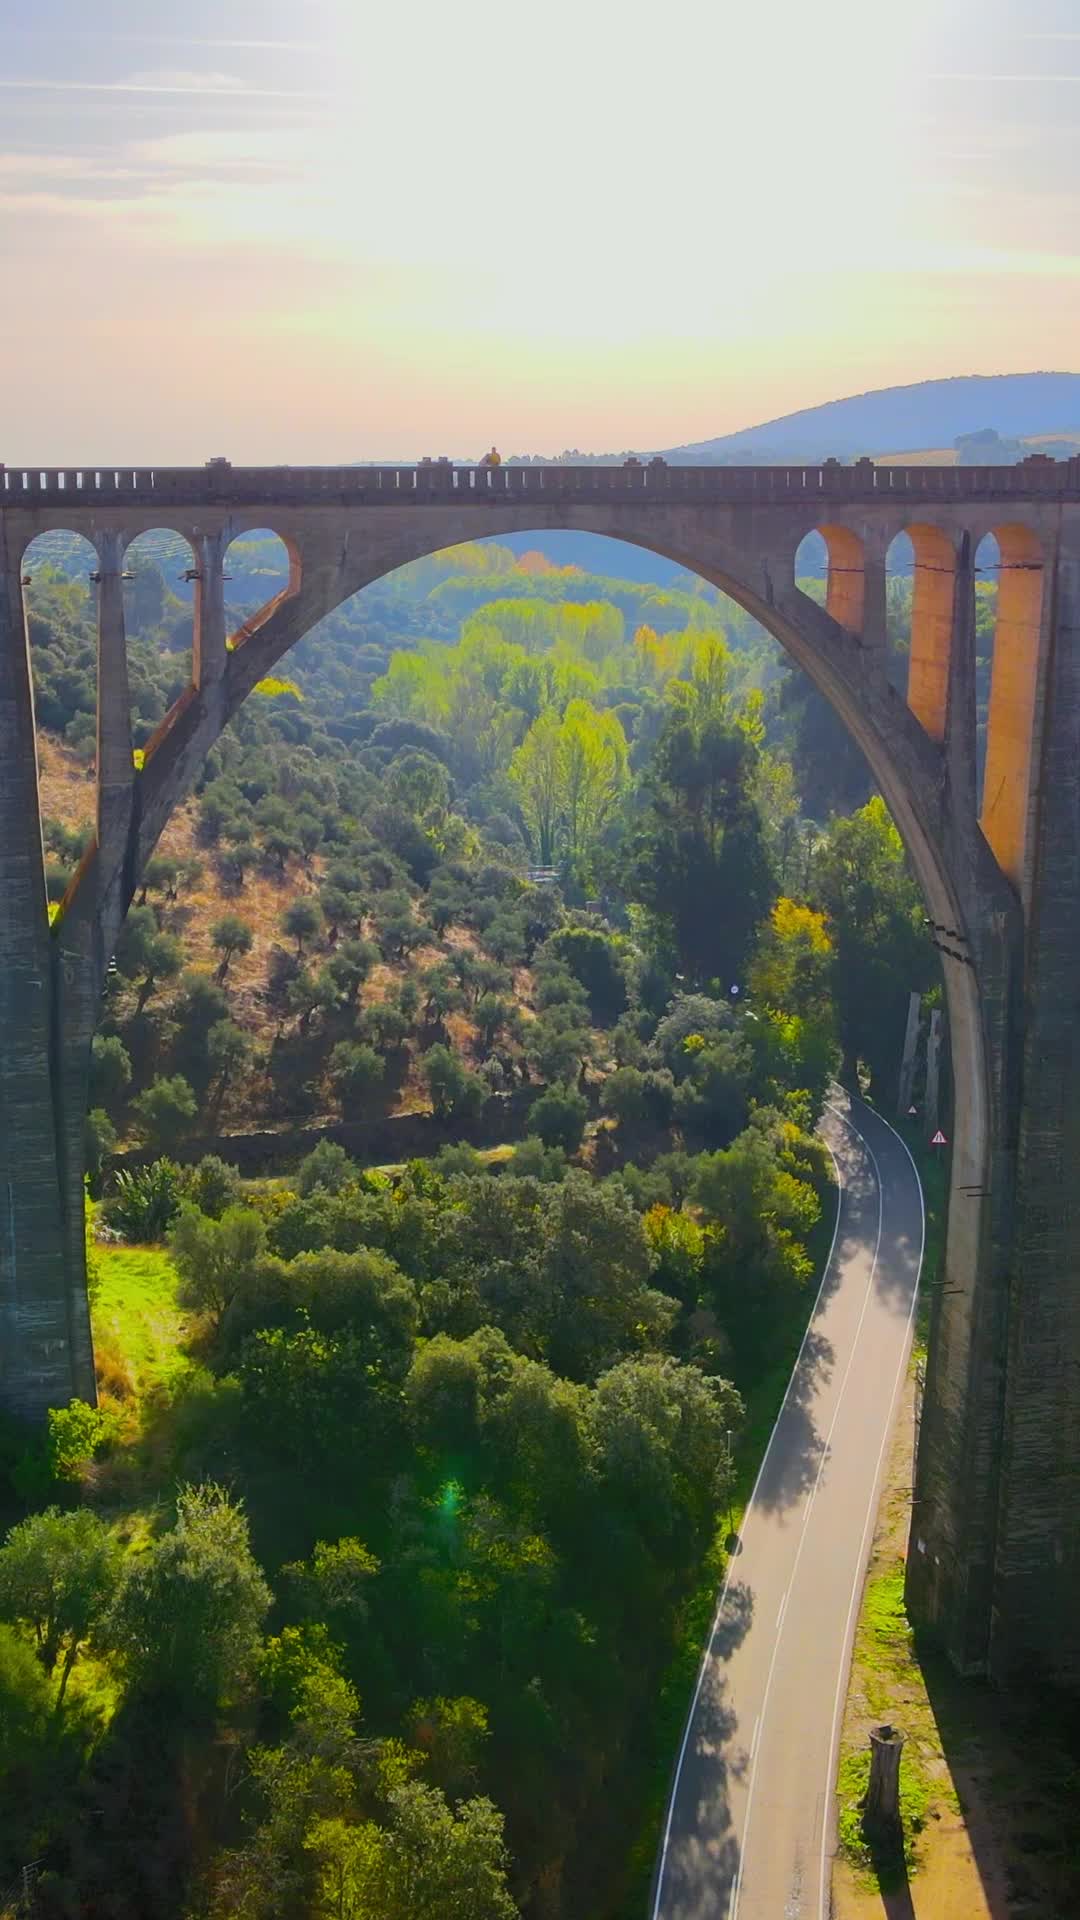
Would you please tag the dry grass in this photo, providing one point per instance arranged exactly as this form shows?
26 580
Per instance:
927 457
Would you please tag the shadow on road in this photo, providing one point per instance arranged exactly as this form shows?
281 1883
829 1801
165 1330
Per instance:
791 1464
702 1859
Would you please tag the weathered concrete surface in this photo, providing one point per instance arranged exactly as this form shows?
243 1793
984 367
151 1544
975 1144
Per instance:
1000 1451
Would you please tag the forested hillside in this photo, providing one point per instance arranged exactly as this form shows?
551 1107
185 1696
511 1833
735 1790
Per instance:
370 1586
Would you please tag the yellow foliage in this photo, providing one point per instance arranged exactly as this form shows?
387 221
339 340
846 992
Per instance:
273 689
791 921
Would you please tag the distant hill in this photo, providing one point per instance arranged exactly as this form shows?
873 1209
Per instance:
932 413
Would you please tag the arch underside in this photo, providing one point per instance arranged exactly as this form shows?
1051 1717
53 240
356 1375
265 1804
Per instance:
331 566
747 555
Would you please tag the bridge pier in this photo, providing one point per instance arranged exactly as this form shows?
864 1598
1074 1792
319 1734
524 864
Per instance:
1036 1626
44 1321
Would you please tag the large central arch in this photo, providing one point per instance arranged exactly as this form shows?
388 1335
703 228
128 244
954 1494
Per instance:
905 762
747 550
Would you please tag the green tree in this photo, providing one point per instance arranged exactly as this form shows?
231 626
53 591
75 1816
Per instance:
429 1864
456 1092
559 1042
358 1073
660 1430
27 1711
450 1733
146 955
537 774
215 1258
327 1166
228 1050
558 1117
492 1013
881 945
58 1575
160 875
301 920
640 1102
212 1185
349 966
165 1111
110 1071
700 861
187 1615
230 935
236 860
100 1137
593 773
595 1267
596 962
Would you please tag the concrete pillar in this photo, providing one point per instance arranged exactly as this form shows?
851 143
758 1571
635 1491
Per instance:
960 729
845 588
115 762
1037 1571
874 631
931 628
933 1071
209 655
907 1064
36 1354
1013 684
954 1520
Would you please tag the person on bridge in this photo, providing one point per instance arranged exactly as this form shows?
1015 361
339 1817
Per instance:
492 459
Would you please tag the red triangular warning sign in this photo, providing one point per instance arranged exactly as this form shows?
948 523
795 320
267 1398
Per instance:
939 1139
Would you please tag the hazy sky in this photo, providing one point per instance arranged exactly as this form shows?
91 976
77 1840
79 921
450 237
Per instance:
333 229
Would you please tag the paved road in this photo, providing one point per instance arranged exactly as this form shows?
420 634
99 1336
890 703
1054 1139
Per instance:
749 1828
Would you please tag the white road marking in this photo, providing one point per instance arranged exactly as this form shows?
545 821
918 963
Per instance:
734 1908
707 1655
871 1515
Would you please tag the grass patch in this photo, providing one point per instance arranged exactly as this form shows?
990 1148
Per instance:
138 1325
886 1671
883 1868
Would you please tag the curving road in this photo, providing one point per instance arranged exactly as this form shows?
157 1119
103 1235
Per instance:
749 1827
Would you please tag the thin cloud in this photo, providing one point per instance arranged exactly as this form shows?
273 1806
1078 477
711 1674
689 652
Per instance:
1005 79
186 79
58 166
169 40
134 86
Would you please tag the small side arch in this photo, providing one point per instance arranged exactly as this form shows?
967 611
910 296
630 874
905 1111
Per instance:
844 568
159 568
258 561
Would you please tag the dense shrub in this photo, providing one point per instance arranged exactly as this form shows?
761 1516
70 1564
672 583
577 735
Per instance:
143 1201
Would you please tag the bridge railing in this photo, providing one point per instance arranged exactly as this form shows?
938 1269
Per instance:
221 483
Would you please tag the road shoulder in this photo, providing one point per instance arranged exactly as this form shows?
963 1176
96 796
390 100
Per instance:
957 1872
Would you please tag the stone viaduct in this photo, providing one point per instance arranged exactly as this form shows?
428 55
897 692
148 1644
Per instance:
995 1566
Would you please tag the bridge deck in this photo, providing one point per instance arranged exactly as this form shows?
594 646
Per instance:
219 483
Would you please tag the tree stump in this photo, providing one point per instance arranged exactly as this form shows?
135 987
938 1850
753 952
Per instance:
881 1808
